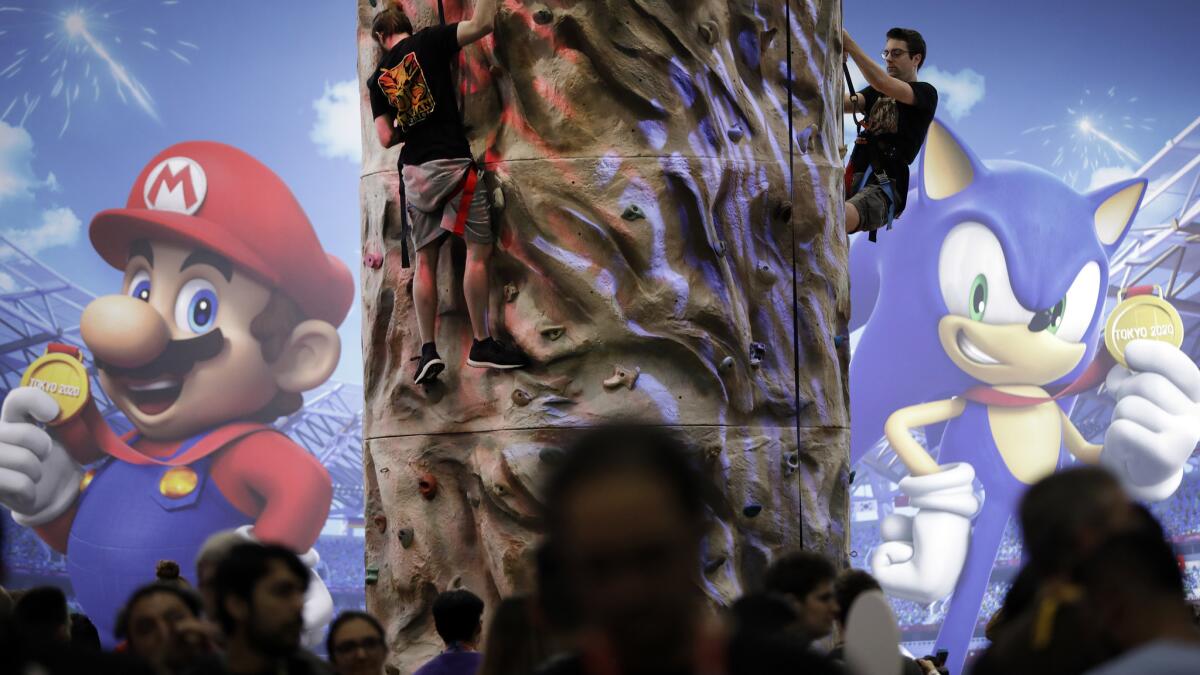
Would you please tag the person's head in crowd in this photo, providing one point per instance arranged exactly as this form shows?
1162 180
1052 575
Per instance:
259 593
168 572
807 578
84 635
625 514
42 618
846 589
356 644
1067 514
154 624
1134 588
458 618
214 549
763 615
515 642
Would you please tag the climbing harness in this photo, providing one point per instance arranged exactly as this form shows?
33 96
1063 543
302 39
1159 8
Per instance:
873 167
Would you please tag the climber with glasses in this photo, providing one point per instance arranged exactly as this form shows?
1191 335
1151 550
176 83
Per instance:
897 110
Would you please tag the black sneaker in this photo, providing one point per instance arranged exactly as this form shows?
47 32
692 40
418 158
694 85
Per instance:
431 365
495 354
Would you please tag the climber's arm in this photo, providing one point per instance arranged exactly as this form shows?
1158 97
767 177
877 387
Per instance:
1077 445
900 424
386 132
876 76
480 23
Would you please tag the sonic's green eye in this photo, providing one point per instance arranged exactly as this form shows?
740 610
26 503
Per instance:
1056 316
978 298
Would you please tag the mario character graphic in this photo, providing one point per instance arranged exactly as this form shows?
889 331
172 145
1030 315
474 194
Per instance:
227 314
972 318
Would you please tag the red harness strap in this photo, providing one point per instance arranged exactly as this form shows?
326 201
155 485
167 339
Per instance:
464 205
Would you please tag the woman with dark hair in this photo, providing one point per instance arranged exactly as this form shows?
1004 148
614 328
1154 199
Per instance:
515 642
356 644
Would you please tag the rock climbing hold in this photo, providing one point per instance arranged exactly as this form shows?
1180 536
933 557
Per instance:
767 275
372 574
752 510
784 212
727 363
622 377
850 479
543 16
839 340
715 564
510 292
757 351
551 456
708 32
735 133
633 212
553 333
406 537
521 397
500 490
385 470
380 521
372 259
719 247
427 485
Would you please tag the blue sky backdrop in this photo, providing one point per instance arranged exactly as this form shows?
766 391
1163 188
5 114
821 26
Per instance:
277 80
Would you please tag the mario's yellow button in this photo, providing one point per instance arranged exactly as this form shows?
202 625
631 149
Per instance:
178 482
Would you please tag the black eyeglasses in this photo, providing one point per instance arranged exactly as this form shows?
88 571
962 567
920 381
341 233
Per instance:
367 644
894 53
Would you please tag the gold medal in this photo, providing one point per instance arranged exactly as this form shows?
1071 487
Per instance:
1142 317
60 372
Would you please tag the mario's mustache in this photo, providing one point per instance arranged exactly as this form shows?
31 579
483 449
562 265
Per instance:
177 359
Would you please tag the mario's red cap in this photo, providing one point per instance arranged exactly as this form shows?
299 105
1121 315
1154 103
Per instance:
217 197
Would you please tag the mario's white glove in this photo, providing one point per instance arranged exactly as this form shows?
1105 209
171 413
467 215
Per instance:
318 603
38 479
1156 423
922 556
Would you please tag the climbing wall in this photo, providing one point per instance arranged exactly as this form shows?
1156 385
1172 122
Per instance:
654 261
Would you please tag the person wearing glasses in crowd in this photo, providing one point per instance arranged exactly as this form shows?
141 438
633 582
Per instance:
356 644
899 110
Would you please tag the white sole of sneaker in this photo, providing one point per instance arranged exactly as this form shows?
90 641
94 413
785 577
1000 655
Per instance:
430 371
495 366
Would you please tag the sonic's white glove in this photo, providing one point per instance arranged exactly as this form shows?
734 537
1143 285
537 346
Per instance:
922 556
318 603
1156 423
38 479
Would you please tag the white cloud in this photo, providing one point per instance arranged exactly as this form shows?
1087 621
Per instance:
337 129
1107 175
7 283
59 227
957 92
16 155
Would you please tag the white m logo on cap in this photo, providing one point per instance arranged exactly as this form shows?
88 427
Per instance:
175 184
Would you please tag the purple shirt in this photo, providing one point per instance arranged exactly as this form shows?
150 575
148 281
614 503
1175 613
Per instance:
452 663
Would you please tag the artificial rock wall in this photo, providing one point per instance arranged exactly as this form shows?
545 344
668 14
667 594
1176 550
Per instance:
638 157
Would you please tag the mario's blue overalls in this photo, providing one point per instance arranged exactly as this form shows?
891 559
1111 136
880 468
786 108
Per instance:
130 516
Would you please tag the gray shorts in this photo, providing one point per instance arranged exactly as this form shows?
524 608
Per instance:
431 190
872 204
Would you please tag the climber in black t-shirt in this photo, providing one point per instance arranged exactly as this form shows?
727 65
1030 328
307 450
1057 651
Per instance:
413 102
898 112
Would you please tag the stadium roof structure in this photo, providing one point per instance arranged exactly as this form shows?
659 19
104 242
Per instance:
1163 250
39 306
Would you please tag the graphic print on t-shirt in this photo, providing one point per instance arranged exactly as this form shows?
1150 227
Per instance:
408 92
885 116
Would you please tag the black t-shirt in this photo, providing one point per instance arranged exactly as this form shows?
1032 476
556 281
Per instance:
414 85
898 130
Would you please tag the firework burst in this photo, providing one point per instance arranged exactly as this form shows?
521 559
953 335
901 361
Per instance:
66 57
1090 135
